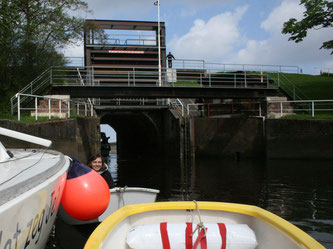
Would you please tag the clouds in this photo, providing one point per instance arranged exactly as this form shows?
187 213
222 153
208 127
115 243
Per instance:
278 50
226 31
222 39
209 40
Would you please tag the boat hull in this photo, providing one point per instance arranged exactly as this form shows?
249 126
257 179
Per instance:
28 210
271 231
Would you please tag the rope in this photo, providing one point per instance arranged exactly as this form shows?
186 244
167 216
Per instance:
122 192
200 225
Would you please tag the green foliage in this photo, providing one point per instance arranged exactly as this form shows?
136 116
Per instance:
318 15
31 34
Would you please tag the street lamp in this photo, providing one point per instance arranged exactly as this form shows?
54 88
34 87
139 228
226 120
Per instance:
159 43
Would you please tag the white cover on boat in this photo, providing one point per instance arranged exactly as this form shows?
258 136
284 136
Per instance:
239 236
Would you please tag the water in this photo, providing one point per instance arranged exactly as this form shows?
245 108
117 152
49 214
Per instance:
298 191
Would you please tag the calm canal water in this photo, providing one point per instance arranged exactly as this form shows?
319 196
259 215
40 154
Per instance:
299 191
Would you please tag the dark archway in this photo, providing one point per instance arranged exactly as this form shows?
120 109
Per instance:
138 136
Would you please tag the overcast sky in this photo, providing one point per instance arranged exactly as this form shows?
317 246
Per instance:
225 31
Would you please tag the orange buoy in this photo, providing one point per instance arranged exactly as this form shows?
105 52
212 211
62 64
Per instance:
86 195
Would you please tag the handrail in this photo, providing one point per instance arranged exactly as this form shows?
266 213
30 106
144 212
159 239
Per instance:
30 87
148 76
298 103
175 103
194 105
82 83
36 97
225 67
133 76
179 63
290 88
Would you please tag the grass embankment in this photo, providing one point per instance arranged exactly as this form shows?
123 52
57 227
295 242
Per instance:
315 87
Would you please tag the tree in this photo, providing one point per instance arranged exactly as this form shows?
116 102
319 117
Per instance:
318 15
31 35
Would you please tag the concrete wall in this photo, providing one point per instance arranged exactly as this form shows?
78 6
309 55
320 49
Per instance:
258 138
172 135
228 137
74 137
299 139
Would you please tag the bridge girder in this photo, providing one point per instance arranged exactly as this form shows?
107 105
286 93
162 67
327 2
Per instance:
162 92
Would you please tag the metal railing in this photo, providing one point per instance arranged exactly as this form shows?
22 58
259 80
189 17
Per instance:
322 70
312 107
149 38
149 76
131 102
226 108
178 106
288 87
59 107
217 67
227 67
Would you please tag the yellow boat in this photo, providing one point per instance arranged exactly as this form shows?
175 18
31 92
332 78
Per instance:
158 225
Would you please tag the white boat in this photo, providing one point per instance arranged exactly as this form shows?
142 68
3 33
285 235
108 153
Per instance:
119 197
31 185
176 224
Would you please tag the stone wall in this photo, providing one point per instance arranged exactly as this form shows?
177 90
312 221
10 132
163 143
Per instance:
77 137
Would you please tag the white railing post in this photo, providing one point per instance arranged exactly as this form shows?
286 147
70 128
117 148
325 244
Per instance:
245 83
91 110
36 108
281 111
60 107
128 78
18 107
259 109
93 75
85 110
313 110
49 108
69 108
133 76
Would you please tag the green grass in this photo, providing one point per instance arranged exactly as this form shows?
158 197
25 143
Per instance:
187 83
313 86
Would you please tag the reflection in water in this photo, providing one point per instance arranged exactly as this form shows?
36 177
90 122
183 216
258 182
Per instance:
299 191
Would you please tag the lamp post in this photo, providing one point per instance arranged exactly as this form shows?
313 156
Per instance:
159 43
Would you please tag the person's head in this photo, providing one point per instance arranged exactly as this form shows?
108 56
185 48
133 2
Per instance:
96 162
